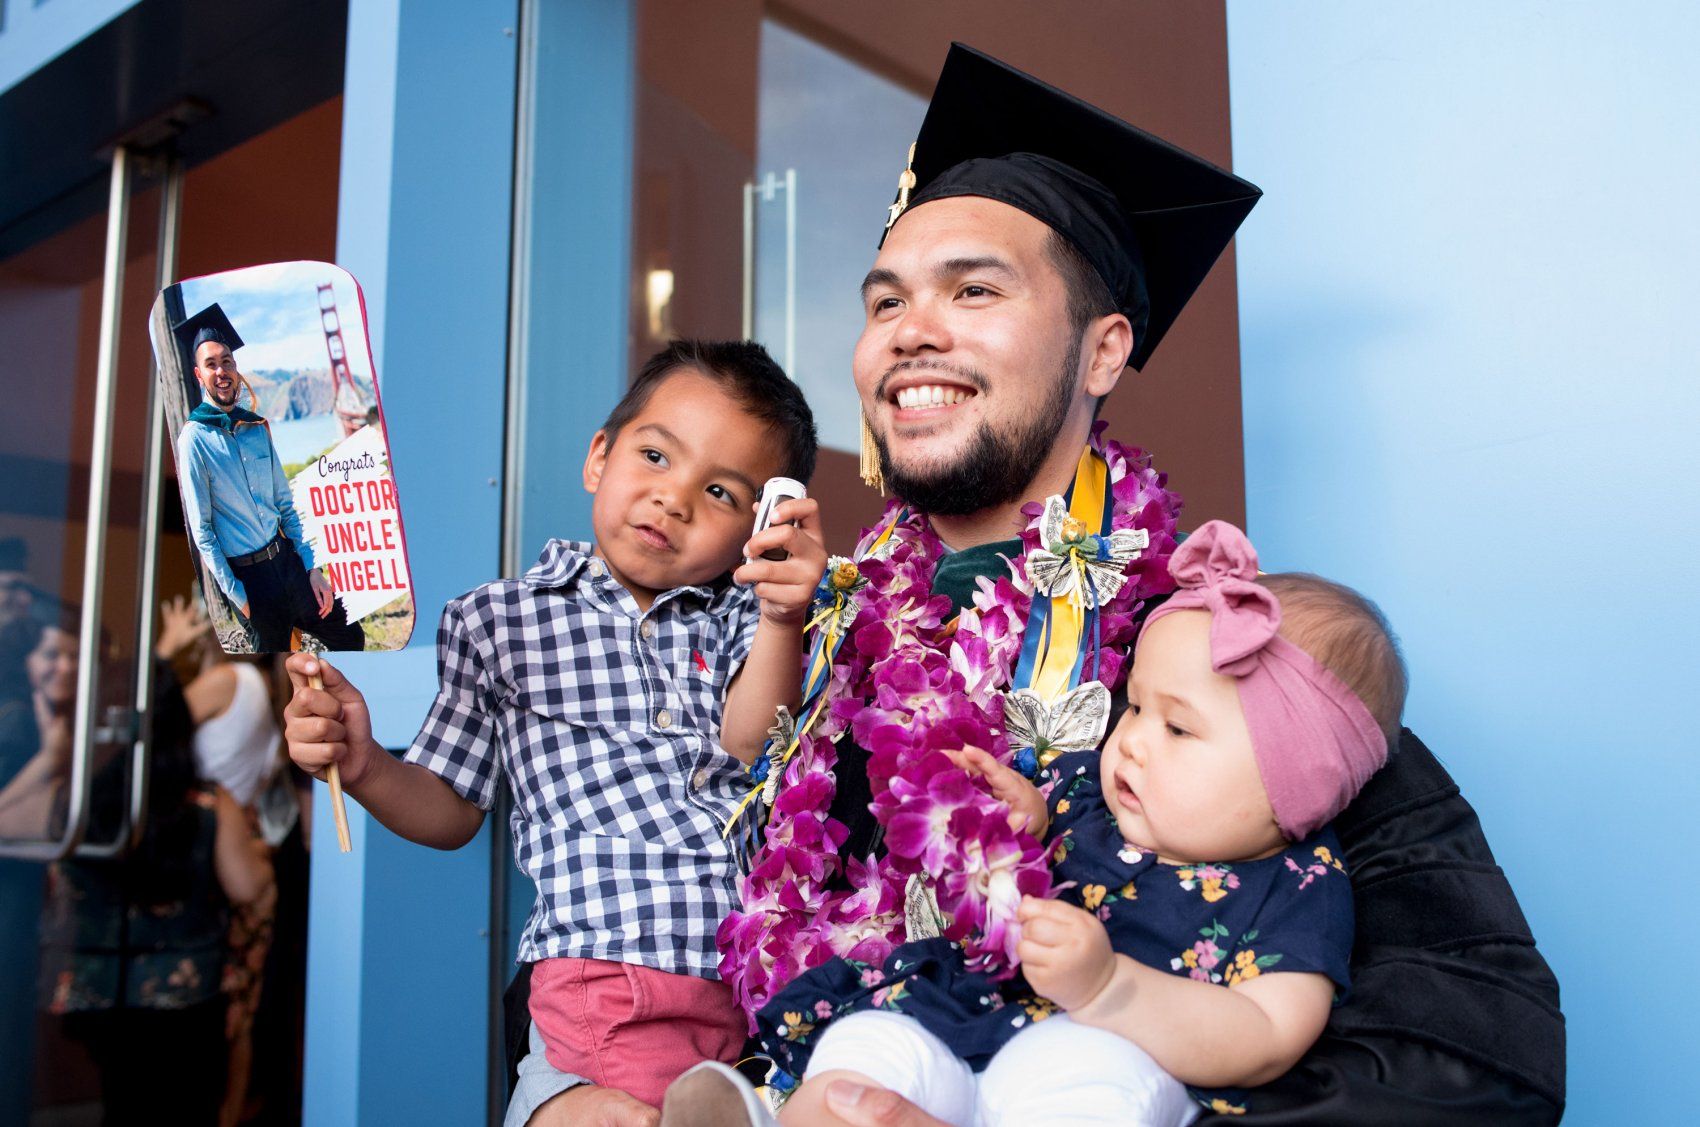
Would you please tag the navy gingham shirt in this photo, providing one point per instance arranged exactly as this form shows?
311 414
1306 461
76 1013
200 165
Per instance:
606 722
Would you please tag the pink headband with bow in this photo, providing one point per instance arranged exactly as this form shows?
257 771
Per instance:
1315 741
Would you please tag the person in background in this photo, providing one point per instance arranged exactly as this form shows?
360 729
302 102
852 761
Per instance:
17 593
238 746
20 880
133 947
38 689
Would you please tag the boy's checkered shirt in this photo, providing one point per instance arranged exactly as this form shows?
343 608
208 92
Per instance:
605 721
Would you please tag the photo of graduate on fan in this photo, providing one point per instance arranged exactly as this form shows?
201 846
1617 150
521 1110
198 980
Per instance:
282 462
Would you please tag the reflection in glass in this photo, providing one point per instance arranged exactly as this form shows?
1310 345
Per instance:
133 948
38 696
51 303
842 130
50 316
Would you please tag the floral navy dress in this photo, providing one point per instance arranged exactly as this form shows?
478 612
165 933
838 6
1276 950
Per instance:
1217 923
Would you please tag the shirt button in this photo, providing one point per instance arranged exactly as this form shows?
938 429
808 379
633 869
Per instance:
647 628
663 719
596 568
701 777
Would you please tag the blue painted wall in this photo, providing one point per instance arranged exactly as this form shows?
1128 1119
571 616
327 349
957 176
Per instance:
573 265
397 986
1470 389
577 258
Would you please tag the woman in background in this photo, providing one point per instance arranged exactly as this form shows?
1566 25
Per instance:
38 687
235 708
133 948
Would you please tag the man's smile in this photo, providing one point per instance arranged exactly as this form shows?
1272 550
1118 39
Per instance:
922 394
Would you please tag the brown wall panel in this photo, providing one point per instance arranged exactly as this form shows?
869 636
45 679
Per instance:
272 199
696 145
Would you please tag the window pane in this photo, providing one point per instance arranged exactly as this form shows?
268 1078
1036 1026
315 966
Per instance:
842 131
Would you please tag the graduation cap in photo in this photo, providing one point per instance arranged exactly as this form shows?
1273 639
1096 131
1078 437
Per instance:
209 324
1150 218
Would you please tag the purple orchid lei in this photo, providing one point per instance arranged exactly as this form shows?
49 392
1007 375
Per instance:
909 685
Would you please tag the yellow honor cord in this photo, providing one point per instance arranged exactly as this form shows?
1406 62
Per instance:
1060 643
885 533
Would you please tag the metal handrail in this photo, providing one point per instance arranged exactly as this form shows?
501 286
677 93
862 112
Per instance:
147 582
94 546
170 214
766 188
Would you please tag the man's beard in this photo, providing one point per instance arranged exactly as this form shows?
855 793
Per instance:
996 468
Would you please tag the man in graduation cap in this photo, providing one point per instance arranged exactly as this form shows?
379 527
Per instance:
239 507
1038 247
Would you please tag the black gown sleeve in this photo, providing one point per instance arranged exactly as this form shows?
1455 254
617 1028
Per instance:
1454 1015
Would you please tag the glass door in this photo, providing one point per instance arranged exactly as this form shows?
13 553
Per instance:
79 488
829 145
73 535
91 539
765 155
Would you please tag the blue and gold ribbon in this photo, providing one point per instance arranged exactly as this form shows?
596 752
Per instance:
1054 649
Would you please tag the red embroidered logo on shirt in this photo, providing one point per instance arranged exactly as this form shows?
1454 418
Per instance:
702 666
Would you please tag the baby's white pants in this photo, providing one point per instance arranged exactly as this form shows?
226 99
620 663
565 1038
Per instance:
1054 1071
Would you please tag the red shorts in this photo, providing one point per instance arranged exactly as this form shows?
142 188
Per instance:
631 1027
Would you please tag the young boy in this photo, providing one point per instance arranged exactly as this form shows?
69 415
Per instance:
621 687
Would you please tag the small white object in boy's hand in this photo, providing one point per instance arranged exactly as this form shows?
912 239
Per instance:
773 494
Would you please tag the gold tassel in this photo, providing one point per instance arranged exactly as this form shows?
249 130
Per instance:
871 475
905 185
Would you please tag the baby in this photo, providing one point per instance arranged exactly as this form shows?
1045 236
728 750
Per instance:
1205 924
621 688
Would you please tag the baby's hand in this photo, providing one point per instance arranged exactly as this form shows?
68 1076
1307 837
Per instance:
786 587
1064 951
1027 810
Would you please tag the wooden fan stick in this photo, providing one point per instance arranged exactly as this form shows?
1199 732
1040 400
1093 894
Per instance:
339 812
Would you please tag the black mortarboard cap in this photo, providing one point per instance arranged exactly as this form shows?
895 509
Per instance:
209 324
1150 218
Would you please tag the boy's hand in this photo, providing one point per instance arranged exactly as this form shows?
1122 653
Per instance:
328 725
786 587
1027 809
1064 951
